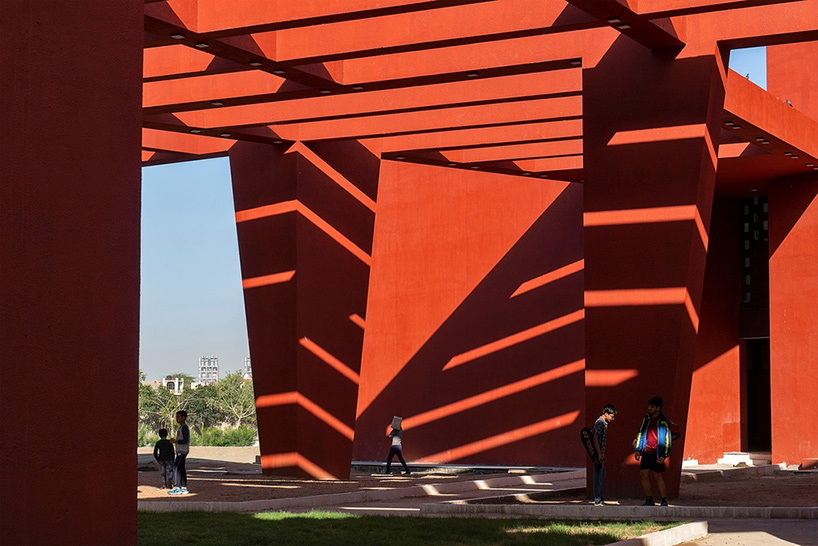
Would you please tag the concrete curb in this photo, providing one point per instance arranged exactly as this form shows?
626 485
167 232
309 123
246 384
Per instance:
589 512
693 474
668 537
351 497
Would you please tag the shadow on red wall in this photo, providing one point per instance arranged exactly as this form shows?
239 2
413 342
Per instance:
500 381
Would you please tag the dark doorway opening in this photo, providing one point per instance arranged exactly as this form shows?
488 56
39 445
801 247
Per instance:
754 325
757 399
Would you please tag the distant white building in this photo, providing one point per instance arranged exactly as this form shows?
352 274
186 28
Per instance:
248 370
174 384
208 370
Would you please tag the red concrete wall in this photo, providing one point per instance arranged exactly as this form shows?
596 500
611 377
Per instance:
305 216
69 270
650 160
714 417
474 326
793 216
792 73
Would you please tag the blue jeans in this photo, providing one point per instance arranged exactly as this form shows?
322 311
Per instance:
599 481
167 472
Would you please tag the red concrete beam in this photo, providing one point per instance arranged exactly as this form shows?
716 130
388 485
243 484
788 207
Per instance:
759 25
434 120
185 143
655 34
483 136
436 96
179 61
369 126
249 86
493 21
478 60
219 18
755 115
429 30
243 50
532 150
676 8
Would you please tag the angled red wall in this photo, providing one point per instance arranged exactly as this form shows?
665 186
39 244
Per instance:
69 270
793 213
714 417
474 327
305 216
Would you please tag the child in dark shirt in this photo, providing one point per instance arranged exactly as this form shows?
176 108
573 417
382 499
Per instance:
163 453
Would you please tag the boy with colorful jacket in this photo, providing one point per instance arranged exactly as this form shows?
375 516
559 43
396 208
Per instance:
652 445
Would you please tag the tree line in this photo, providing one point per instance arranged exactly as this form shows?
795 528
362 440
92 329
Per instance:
214 411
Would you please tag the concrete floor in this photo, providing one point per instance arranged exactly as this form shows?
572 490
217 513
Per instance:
759 532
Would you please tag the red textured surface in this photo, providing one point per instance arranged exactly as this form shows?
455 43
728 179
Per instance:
644 275
638 109
305 236
793 315
69 270
714 418
477 372
792 74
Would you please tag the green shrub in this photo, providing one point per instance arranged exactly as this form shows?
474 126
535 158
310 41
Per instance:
233 437
145 435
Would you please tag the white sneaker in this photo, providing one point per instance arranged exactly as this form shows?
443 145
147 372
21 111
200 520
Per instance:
184 491
175 491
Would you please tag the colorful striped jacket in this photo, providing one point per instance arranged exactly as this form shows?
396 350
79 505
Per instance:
668 431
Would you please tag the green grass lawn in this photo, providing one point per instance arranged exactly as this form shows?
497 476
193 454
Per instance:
339 529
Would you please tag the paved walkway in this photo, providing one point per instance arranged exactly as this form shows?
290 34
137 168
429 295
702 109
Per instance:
522 496
759 532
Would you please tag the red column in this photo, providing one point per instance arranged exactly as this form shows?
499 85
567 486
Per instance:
793 214
714 420
305 215
651 128
69 269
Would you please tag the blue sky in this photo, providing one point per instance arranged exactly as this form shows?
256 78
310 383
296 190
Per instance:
191 284
192 301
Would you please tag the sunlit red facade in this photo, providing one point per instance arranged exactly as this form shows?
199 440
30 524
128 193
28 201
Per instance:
488 217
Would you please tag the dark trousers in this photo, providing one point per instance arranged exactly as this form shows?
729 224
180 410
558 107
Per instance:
396 450
179 470
599 481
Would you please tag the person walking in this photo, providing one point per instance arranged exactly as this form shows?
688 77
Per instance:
652 445
600 441
397 445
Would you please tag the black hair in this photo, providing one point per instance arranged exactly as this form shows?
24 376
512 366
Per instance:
656 401
182 412
609 408
163 433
